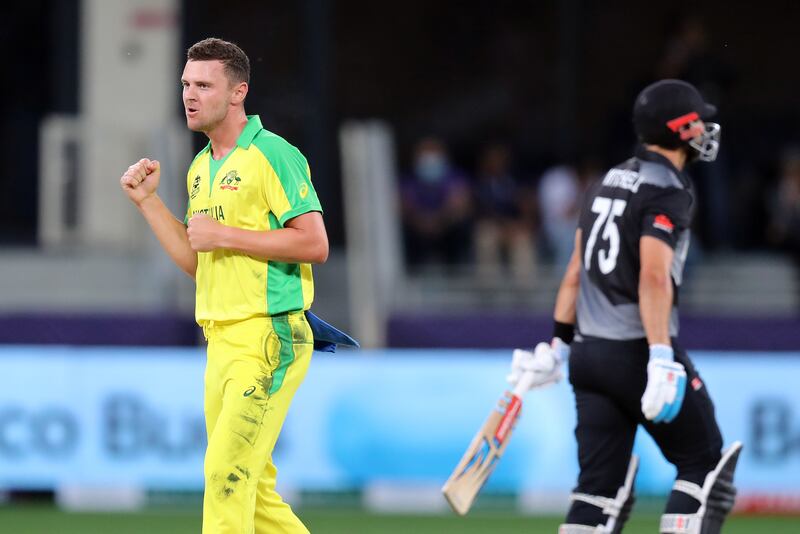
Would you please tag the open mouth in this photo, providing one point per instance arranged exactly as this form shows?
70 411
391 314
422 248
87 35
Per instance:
191 111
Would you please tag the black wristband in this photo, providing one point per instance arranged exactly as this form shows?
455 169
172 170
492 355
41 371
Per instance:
564 331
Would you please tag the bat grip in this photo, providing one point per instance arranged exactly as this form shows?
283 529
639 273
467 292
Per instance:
524 384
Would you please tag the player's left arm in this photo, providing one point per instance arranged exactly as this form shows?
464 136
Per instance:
666 378
655 289
666 216
303 239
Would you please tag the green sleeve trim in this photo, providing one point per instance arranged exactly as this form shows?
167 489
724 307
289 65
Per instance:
291 168
300 210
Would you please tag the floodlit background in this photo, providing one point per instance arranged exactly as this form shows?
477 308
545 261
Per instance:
450 143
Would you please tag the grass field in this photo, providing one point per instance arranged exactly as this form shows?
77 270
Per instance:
49 520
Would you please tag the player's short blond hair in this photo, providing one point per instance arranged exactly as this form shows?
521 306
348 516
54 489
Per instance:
236 62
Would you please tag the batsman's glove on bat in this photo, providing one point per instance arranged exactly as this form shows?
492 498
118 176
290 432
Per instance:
545 362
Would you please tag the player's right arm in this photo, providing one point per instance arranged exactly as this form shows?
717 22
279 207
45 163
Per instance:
140 183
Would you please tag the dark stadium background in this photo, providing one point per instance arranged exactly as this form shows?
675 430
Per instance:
553 80
556 79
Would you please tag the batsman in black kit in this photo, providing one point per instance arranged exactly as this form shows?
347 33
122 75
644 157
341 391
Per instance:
616 321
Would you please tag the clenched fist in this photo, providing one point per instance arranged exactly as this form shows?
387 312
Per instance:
141 180
205 234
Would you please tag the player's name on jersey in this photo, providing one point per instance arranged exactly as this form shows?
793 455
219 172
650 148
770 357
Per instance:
624 179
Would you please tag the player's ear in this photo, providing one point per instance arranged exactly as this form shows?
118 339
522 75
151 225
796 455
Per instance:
239 93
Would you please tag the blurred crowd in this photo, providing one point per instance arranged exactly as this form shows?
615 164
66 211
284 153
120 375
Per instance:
494 220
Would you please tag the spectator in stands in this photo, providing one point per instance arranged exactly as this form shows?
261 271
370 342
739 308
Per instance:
504 227
561 189
559 192
784 209
436 208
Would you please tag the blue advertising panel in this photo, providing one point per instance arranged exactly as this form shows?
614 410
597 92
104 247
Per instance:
130 417
133 417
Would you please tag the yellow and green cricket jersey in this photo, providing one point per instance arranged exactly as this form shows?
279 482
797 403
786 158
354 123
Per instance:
262 183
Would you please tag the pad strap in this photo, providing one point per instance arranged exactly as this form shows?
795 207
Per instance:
607 504
572 528
618 508
689 488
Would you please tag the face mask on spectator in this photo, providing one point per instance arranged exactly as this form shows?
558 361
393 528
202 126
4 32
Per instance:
430 167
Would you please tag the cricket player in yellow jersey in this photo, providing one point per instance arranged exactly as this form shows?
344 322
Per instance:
253 227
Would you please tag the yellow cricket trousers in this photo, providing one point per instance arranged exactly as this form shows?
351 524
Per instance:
253 369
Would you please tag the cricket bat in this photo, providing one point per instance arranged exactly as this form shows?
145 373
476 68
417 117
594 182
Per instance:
485 450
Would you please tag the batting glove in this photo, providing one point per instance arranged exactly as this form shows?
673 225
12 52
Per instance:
666 385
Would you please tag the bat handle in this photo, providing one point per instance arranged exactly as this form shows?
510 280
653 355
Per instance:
523 384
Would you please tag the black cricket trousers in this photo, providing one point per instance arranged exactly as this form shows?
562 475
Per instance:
609 378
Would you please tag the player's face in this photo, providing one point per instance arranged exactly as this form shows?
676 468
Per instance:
693 130
207 94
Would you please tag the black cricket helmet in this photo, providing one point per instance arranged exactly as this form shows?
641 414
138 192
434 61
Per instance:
666 113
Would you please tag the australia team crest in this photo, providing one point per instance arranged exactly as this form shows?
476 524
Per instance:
230 181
